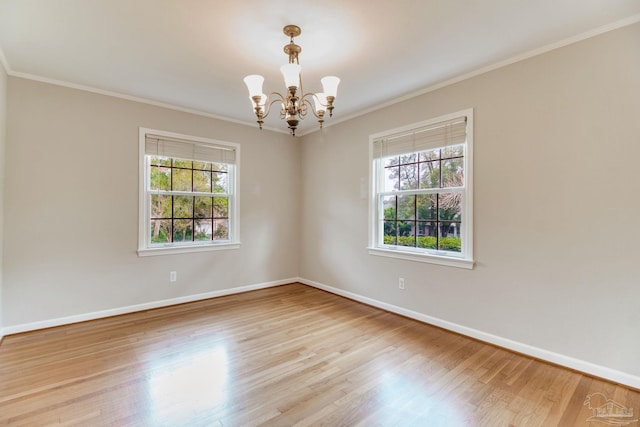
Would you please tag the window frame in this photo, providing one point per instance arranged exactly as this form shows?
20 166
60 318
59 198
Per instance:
145 247
376 170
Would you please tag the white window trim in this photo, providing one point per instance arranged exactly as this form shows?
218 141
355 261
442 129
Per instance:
465 260
144 248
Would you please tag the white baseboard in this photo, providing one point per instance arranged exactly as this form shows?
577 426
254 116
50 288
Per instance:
26 327
538 353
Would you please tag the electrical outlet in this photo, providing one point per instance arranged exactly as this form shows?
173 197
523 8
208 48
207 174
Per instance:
401 283
173 276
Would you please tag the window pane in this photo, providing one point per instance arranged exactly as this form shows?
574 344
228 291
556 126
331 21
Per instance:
220 207
450 236
182 179
202 181
405 228
429 155
202 166
160 178
219 167
409 177
453 151
430 174
453 172
182 207
391 161
406 207
392 178
427 231
204 229
406 233
182 231
160 161
220 184
409 158
390 232
389 207
220 229
160 231
202 208
160 206
179 163
450 206
426 206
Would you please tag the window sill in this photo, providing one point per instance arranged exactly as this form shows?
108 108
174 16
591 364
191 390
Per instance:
170 250
423 257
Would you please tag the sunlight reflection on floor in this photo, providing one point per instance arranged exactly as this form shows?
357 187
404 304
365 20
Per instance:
414 404
184 385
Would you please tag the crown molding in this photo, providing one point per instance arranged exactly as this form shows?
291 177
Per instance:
141 100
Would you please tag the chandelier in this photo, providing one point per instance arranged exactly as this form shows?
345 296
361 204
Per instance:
294 107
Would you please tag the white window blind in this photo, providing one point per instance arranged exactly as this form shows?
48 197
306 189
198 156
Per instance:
450 132
188 150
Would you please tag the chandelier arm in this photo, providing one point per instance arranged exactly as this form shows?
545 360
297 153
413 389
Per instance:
311 106
309 94
269 104
302 107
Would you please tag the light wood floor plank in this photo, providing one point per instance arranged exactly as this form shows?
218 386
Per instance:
284 356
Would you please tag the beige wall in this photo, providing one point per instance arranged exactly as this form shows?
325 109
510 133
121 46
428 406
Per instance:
3 117
71 217
556 205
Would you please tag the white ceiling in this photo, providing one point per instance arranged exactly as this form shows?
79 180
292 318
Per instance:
193 54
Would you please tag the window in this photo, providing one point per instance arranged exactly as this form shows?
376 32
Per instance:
421 206
188 196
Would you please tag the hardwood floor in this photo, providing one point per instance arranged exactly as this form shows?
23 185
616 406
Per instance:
284 356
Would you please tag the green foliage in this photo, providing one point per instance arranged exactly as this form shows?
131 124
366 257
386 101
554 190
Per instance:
201 235
390 212
429 242
182 232
160 178
452 244
161 237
